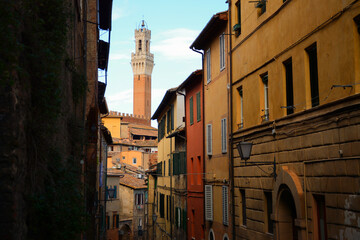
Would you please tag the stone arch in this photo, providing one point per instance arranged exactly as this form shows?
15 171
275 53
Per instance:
125 232
288 198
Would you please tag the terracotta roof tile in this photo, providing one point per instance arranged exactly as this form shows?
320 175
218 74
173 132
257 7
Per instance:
133 182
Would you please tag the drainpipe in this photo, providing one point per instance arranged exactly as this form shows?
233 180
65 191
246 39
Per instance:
84 111
184 95
203 119
231 168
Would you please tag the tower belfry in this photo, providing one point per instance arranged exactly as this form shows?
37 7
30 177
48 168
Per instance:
142 62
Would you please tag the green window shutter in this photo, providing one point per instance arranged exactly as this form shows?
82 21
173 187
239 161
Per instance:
191 111
172 117
176 217
198 107
184 219
168 123
169 168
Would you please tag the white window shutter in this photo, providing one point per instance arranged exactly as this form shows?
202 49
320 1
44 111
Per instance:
208 203
223 135
225 205
208 66
209 139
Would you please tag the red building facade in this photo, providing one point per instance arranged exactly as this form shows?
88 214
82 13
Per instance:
195 154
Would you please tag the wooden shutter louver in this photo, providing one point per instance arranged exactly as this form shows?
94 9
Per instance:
208 203
209 139
223 135
225 205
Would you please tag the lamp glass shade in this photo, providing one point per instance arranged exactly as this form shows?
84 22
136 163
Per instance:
154 217
244 149
111 192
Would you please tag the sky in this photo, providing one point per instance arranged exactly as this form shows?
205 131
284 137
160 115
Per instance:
174 26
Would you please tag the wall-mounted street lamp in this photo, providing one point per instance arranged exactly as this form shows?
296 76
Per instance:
111 193
244 149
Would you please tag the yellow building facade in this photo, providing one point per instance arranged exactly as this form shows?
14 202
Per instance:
213 41
170 188
295 96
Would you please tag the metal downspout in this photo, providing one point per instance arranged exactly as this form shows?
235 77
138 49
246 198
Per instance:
231 168
84 111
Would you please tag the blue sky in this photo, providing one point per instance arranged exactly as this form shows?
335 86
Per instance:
174 26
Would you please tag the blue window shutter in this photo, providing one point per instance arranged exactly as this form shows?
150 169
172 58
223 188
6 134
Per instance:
115 195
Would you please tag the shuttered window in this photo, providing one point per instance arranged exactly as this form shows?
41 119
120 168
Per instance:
191 108
223 135
198 107
209 139
162 205
222 51
208 203
208 66
225 205
172 117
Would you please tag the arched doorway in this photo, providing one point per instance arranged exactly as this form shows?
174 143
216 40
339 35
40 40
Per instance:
286 215
125 233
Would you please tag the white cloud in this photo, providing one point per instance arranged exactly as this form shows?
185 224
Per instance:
119 56
125 96
118 12
175 43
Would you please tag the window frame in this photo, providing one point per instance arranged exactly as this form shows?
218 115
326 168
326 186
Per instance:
209 137
198 106
208 66
209 215
222 51
224 135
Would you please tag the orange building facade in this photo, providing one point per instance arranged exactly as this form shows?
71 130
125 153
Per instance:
194 155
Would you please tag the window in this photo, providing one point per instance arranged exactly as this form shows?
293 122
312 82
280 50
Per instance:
225 205
191 108
134 160
139 45
237 26
264 79
211 235
240 90
168 122
172 117
164 168
140 222
139 199
208 66
222 51
289 86
167 207
208 203
357 22
123 157
209 139
115 221
198 107
161 129
320 216
177 217
268 210
107 222
313 69
162 205
243 207
223 135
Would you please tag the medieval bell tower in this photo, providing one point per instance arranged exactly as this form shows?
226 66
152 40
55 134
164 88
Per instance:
142 62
